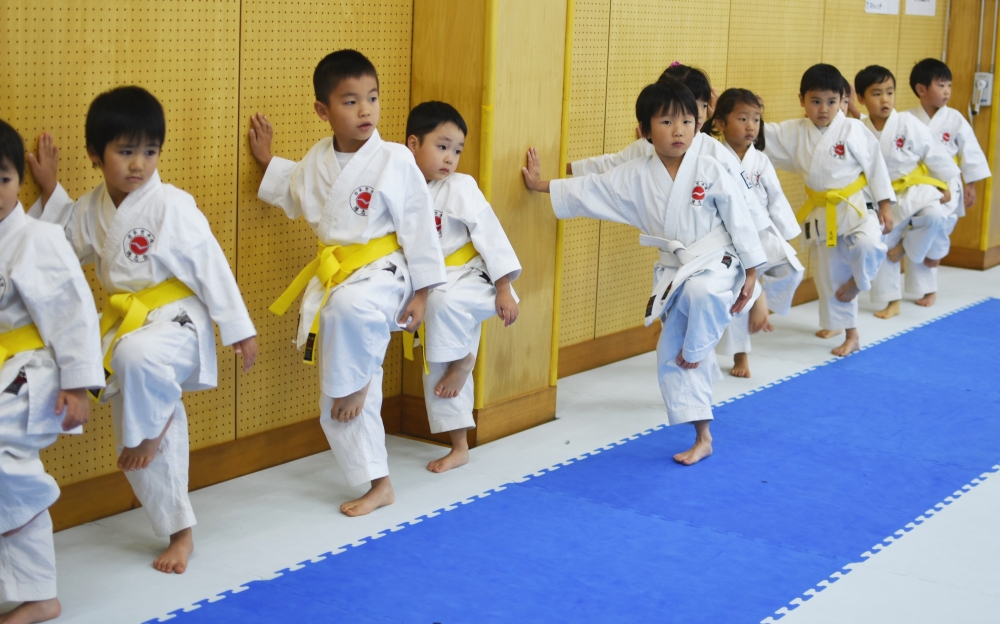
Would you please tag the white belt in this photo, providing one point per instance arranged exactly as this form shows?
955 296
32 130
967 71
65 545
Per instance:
675 254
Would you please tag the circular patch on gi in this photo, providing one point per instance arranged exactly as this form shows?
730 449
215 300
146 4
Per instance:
438 219
900 141
945 137
360 199
3 286
839 151
137 244
698 193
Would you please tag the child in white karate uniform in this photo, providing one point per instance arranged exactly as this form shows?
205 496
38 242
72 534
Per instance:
481 266
738 120
920 169
379 256
930 79
50 355
687 205
838 158
168 280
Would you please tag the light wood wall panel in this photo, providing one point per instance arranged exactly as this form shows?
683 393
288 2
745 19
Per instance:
57 56
282 41
920 37
588 100
528 108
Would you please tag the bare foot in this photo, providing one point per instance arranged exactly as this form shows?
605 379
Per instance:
138 457
896 253
932 263
455 377
759 316
890 310
741 366
346 409
851 344
702 445
927 300
380 495
34 611
175 558
458 456
684 363
848 291
829 333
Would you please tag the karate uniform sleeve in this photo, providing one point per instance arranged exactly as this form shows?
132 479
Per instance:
412 212
489 237
971 158
866 149
604 197
62 307
607 162
728 202
64 212
778 144
276 187
195 258
778 208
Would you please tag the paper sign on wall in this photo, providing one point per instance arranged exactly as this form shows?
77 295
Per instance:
883 7
921 7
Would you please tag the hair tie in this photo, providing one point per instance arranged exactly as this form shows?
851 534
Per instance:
675 64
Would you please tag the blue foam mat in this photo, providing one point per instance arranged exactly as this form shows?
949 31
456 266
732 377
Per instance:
805 479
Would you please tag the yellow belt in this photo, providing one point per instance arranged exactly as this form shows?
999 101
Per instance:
19 340
133 308
332 266
920 175
831 198
458 258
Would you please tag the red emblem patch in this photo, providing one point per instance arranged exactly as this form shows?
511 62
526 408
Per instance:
945 137
839 150
698 194
361 198
438 218
137 244
900 141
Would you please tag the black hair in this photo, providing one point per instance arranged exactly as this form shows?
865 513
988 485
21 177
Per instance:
338 66
130 112
692 78
927 71
847 86
427 116
871 75
726 104
822 77
12 148
664 96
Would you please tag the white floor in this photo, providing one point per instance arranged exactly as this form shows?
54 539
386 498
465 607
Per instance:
947 569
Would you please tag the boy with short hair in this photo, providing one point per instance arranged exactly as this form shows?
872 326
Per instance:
481 265
930 80
687 205
168 280
379 256
838 158
49 359
918 166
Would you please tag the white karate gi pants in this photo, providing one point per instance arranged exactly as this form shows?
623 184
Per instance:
150 365
918 235
355 327
779 280
452 327
920 279
28 562
694 323
27 558
858 254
